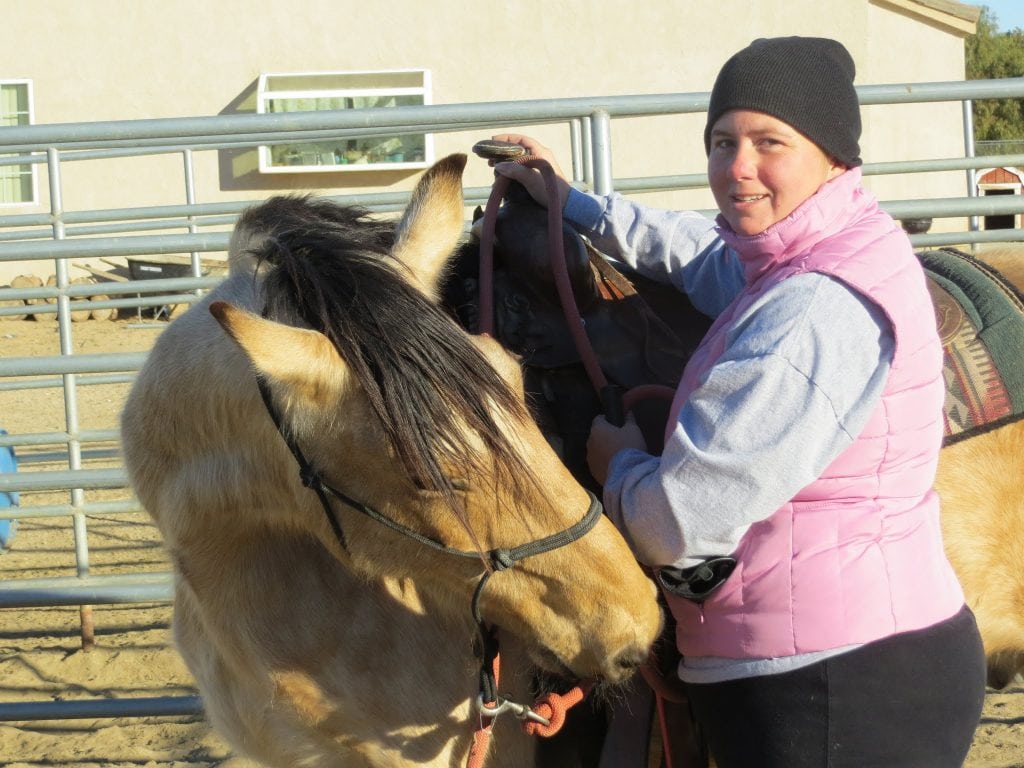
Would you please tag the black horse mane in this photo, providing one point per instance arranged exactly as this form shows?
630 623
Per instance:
333 272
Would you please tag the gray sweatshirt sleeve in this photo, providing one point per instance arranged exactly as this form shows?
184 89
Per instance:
801 373
680 248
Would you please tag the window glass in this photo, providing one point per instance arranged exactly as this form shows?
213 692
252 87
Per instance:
16 179
318 91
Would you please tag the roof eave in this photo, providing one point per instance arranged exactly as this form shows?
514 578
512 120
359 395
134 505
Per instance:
959 18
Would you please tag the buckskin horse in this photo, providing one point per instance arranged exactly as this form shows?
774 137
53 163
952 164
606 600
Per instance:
358 505
642 333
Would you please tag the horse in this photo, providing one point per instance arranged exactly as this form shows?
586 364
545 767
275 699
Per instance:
648 331
358 505
980 482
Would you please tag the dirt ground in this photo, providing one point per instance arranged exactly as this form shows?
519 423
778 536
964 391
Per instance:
40 649
41 656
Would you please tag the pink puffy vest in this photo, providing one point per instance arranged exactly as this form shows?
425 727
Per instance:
857 555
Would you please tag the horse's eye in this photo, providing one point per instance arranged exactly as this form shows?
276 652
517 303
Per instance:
458 484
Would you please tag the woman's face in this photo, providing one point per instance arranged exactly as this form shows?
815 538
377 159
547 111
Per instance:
761 169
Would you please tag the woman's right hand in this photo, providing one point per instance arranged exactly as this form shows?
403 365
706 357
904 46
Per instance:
531 178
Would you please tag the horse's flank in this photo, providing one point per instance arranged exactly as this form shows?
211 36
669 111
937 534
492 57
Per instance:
981 484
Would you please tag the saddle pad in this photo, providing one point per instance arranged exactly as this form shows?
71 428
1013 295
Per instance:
980 316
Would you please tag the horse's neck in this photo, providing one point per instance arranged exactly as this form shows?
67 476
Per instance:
371 663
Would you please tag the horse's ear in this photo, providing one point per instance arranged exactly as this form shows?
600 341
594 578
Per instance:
303 359
433 223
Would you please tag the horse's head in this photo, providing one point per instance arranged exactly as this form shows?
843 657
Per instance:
399 410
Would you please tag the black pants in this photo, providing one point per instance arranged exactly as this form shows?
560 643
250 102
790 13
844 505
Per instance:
908 701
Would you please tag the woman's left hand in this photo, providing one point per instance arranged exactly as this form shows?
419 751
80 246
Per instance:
605 441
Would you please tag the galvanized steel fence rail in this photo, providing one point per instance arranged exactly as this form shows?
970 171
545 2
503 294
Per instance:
201 228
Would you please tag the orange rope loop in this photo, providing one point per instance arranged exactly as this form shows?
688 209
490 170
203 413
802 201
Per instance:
553 707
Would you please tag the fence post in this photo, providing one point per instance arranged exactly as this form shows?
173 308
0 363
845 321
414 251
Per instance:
972 178
70 392
601 140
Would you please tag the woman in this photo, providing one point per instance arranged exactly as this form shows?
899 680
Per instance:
790 517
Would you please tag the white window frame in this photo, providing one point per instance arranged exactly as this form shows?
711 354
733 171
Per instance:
34 197
380 153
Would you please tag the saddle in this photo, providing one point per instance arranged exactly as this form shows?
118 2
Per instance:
979 313
634 345
980 318
634 341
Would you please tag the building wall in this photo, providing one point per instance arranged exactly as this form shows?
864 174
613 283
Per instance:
902 48
127 59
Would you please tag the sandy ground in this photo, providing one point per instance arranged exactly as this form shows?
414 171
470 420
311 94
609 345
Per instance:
41 656
40 650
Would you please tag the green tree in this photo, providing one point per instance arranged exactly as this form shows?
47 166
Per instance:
992 55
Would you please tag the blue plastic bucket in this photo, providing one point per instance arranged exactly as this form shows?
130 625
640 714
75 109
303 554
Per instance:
8 463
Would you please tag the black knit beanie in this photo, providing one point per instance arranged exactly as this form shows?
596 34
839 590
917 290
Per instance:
806 82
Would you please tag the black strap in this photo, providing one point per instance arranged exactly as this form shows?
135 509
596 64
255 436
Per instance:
498 559
488 653
310 478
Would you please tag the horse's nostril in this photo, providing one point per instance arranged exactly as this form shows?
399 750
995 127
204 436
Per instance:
631 660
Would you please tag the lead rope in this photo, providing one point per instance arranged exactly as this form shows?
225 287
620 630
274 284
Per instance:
549 712
609 394
616 404
482 734
545 719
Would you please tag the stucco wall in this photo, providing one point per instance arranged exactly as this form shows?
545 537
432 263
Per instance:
125 59
904 49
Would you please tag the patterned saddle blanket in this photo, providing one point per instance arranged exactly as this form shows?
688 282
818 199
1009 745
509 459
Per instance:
980 316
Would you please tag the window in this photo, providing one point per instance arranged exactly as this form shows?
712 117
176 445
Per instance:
303 92
17 180
1000 221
